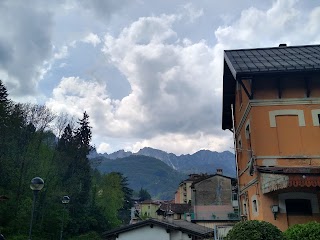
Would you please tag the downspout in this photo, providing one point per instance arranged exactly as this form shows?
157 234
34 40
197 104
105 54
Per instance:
236 159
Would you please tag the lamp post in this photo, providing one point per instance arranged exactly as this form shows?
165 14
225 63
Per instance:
36 185
65 201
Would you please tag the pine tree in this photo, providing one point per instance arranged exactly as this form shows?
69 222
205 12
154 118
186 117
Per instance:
83 136
4 106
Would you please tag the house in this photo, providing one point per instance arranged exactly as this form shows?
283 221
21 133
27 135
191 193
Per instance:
148 208
160 229
214 200
179 210
183 193
271 103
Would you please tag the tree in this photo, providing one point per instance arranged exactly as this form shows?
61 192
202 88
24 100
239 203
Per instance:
307 231
144 195
125 211
254 230
110 197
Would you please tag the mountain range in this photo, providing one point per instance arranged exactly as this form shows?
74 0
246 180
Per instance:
160 172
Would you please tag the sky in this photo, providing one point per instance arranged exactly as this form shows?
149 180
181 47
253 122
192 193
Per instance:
148 72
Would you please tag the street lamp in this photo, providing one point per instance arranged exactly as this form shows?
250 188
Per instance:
65 201
36 185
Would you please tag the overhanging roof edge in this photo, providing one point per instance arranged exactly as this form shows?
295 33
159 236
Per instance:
230 66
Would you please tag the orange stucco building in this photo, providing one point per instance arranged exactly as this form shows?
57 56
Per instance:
271 103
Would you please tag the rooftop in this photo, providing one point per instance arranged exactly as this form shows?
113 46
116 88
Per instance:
178 225
270 60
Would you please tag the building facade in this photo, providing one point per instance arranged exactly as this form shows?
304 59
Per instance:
214 200
271 103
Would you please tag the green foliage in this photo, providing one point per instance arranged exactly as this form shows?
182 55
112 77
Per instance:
90 235
110 197
144 195
29 149
254 230
307 231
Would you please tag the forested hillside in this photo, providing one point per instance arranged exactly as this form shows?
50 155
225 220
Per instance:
29 148
149 173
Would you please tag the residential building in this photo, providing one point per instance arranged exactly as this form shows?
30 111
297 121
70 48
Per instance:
184 192
148 208
214 200
179 210
271 103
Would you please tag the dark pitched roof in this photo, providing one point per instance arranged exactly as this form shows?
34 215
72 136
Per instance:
259 62
210 176
270 60
179 208
178 225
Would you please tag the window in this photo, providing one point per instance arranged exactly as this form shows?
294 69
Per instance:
245 209
234 196
255 206
239 145
248 137
298 207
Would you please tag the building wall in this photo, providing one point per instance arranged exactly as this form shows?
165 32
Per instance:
149 209
145 233
215 190
183 193
276 132
154 233
212 199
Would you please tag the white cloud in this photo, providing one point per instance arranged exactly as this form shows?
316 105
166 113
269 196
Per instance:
184 144
173 87
172 84
61 53
192 12
103 147
92 39
25 43
176 82
282 23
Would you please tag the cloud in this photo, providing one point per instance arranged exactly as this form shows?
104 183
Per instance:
185 144
173 84
176 82
173 87
103 148
192 12
92 38
283 22
25 33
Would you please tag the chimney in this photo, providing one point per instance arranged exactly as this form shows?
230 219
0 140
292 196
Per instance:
160 217
219 171
170 216
282 45
188 217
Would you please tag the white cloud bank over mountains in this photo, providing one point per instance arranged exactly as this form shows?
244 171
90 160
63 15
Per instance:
174 81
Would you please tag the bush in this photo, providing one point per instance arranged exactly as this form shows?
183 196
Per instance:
307 231
90 235
254 230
